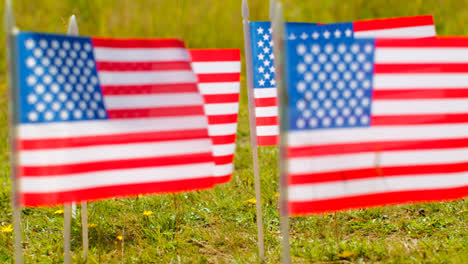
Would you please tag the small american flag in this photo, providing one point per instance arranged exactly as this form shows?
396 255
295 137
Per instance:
218 72
266 110
100 118
375 122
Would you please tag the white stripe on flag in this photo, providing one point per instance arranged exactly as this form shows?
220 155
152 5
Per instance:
216 67
321 137
222 129
222 108
265 93
140 54
421 55
266 111
114 178
310 192
219 88
267 130
403 32
142 78
318 164
109 127
429 106
420 81
45 157
152 100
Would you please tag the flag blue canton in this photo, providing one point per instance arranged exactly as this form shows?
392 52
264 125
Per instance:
262 55
58 79
329 83
306 31
262 44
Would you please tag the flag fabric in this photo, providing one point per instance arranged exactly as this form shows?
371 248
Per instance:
218 72
101 118
376 122
263 62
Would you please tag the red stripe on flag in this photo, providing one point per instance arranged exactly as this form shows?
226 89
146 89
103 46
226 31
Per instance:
419 94
41 199
265 102
143 66
222 179
220 140
215 55
222 119
376 172
268 140
218 77
266 121
396 120
73 142
57 170
372 200
221 98
149 89
421 68
221 160
389 23
137 43
376 146
155 112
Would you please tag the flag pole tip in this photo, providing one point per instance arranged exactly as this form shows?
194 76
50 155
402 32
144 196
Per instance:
272 9
9 17
72 25
245 9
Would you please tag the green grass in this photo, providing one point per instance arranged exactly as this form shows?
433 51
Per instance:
218 226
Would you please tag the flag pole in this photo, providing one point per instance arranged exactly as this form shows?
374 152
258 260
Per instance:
278 38
73 30
67 208
11 30
253 129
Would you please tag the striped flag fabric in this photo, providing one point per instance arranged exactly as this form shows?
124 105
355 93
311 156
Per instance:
218 73
376 121
266 111
99 118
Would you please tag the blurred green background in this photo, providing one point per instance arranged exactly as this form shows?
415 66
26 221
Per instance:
218 226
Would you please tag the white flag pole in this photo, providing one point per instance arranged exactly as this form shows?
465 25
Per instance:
278 38
73 30
253 128
12 74
67 212
66 232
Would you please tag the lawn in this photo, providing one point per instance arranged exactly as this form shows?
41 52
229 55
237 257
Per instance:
218 226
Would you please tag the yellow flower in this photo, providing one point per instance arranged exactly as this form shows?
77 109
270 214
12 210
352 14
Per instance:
91 225
346 254
277 194
58 212
6 229
147 213
252 201
140 195
119 237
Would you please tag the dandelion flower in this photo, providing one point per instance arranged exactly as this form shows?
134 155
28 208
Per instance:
252 201
58 212
6 229
147 213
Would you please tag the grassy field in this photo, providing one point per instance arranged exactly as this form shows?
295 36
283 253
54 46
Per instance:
218 226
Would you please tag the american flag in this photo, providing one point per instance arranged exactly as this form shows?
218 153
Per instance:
100 118
266 110
375 122
218 72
